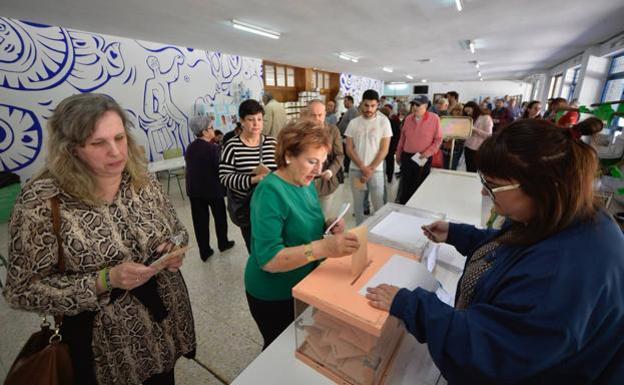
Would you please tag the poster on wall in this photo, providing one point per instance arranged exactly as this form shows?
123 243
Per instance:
224 117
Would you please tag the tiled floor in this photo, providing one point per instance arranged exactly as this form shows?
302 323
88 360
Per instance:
228 339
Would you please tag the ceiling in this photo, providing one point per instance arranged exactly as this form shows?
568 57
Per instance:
513 38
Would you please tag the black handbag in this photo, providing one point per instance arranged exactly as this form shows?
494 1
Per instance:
45 359
238 207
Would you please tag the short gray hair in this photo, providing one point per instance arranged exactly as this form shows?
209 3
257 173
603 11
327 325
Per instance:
198 124
315 101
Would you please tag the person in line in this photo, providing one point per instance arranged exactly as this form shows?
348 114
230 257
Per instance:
274 115
235 132
245 160
332 116
453 99
501 116
327 183
441 107
395 125
288 226
350 114
203 188
541 301
124 321
368 140
482 126
421 134
533 110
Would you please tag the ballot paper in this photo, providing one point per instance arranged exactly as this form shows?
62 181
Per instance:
403 228
432 256
420 161
402 272
359 259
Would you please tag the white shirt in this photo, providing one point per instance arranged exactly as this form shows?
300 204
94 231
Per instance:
367 135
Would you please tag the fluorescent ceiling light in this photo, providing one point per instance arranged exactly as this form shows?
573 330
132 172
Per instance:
458 3
477 65
387 69
410 77
471 45
253 29
344 56
479 73
423 80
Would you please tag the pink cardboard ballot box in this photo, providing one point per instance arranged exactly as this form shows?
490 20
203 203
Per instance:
337 332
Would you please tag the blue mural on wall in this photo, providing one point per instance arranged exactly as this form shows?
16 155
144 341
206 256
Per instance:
163 121
21 132
355 85
160 86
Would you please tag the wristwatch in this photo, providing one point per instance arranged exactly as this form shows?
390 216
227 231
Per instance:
307 252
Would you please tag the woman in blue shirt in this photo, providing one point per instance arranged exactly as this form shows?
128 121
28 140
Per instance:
541 300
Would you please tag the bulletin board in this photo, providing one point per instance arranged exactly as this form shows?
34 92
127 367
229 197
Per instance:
458 127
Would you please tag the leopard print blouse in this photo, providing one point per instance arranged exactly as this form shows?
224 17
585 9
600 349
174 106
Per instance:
128 345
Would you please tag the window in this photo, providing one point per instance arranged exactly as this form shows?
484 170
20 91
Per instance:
614 87
555 82
574 82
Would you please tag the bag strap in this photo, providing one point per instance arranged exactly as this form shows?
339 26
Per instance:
56 228
262 137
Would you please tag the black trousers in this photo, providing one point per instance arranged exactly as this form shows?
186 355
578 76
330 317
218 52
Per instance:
246 231
469 155
459 148
412 176
272 317
166 378
200 211
347 160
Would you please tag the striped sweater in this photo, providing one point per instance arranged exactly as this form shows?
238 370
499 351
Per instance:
239 160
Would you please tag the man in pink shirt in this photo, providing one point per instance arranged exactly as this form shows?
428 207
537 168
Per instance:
421 136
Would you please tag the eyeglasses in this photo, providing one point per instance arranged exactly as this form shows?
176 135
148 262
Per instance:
491 190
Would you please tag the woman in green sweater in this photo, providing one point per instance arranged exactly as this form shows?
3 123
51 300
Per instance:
287 228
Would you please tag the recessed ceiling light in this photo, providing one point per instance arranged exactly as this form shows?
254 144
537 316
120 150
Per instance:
410 77
423 80
458 3
254 29
471 45
479 73
387 69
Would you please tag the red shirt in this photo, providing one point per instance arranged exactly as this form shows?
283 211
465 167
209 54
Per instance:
423 135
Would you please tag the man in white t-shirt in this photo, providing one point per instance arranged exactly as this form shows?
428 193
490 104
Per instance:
368 140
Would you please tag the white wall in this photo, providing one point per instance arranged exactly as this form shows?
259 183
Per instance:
468 90
161 86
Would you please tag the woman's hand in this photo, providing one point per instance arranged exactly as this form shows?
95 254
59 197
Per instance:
327 175
381 297
339 245
128 275
172 264
437 231
257 178
338 228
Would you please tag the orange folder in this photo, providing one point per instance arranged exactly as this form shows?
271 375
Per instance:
329 289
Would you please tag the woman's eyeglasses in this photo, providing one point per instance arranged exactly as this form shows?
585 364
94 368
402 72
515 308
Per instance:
491 190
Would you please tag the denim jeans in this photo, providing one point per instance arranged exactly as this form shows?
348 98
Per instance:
375 188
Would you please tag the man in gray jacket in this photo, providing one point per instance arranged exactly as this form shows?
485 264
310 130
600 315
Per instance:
351 113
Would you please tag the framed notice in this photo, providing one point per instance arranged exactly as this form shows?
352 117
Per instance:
280 76
269 75
458 127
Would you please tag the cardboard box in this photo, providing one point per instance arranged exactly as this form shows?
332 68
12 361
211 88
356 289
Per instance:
337 332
